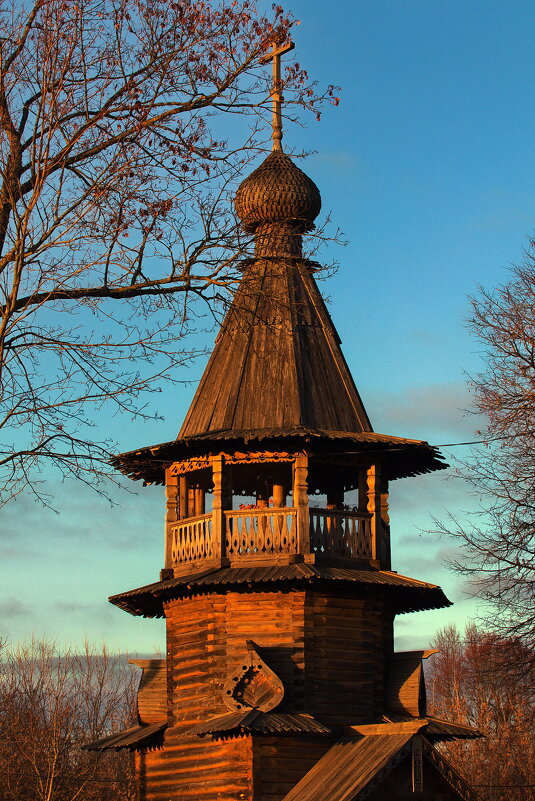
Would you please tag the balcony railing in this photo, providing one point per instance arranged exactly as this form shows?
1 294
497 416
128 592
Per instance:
265 535
191 540
258 533
345 534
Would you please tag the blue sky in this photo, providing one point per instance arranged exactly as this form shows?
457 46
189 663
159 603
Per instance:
427 167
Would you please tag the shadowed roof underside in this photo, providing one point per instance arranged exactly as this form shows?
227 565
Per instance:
401 457
277 362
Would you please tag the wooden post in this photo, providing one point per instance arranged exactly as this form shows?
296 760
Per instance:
171 512
374 507
218 514
199 502
363 490
183 497
335 499
385 526
279 496
191 502
262 500
417 765
300 502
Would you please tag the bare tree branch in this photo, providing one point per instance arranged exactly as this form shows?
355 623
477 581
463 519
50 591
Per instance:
114 202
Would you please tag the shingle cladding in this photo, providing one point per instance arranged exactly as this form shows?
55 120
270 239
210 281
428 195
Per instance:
347 767
277 361
407 594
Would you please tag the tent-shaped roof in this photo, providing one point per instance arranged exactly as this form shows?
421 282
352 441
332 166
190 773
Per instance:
277 371
277 361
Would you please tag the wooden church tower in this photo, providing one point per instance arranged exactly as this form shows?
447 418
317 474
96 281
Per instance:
281 681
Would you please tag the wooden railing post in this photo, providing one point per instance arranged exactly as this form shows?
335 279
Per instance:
171 512
300 501
218 512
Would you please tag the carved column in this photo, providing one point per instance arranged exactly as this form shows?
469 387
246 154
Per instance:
171 512
218 514
377 493
300 502
374 508
385 523
191 502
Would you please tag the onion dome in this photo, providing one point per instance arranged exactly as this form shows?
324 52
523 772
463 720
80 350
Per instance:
277 191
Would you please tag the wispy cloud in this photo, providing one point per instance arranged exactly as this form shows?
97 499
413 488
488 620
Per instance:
426 412
12 607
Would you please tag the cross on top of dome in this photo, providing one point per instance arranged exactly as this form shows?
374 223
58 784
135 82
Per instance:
276 91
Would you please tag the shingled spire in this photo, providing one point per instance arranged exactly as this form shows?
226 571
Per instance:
277 362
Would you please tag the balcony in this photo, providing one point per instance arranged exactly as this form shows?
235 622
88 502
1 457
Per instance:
281 526
268 536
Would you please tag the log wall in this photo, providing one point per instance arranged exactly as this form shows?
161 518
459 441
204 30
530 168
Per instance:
196 769
349 640
327 647
280 762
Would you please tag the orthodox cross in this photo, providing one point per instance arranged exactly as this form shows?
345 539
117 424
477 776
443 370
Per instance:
276 92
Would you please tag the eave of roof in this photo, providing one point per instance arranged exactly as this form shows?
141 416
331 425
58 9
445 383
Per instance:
402 457
253 720
435 729
442 730
135 737
406 594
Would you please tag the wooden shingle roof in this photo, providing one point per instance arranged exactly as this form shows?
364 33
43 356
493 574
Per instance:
406 594
277 362
350 765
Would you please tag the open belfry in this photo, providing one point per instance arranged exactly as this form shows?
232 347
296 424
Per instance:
280 679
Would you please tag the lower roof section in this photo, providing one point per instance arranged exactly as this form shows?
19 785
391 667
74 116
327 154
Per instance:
354 766
253 720
406 594
349 766
143 736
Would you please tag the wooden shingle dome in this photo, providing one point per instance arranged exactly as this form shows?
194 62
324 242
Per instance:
277 191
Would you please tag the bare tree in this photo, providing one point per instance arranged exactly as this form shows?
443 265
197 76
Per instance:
468 683
113 213
497 541
50 704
